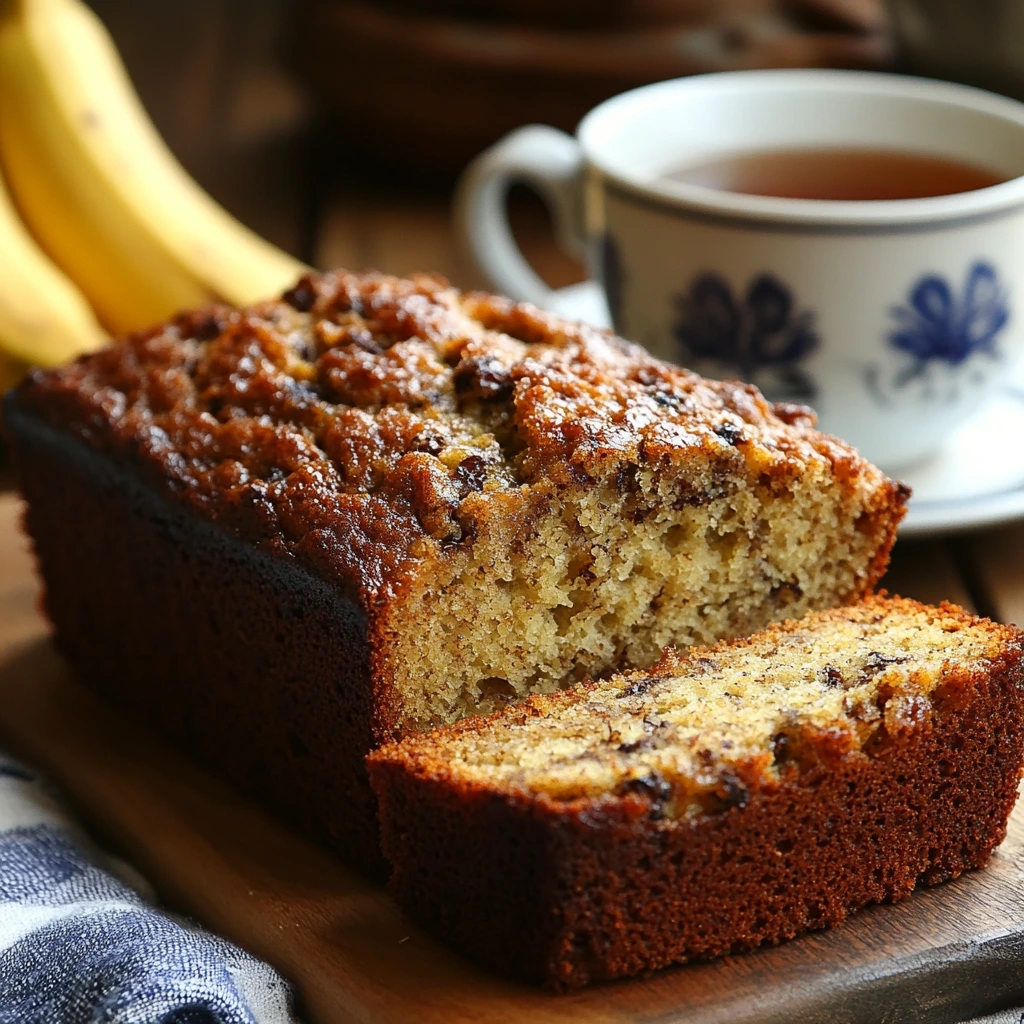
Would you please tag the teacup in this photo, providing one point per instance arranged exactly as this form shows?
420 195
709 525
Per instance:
894 319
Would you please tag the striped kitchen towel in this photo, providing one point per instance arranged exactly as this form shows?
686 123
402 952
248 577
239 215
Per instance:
81 944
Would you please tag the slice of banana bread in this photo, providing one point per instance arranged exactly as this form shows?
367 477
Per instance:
735 795
291 532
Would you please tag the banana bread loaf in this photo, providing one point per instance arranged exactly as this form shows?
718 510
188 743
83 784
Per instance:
292 532
731 796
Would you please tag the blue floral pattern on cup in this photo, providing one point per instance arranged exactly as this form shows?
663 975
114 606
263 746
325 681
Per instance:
759 336
940 335
935 325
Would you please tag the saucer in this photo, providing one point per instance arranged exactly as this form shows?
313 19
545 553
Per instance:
976 480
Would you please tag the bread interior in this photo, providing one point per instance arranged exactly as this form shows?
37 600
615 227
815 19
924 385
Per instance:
703 726
607 579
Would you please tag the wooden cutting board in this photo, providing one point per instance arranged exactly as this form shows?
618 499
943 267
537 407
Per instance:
942 955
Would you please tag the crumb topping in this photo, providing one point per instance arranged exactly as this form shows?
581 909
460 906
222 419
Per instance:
405 415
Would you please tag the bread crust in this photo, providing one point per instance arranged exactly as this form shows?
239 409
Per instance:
249 662
569 893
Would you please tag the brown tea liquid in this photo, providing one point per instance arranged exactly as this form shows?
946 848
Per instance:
843 174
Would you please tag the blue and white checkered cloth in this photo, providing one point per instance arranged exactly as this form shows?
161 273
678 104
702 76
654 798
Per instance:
80 944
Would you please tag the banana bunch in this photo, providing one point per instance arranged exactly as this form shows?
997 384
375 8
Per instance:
103 230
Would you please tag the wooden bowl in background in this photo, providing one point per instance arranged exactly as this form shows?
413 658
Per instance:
427 92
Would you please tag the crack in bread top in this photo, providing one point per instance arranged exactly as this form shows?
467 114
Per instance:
362 420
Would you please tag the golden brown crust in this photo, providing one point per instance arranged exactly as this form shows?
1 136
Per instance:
570 891
403 416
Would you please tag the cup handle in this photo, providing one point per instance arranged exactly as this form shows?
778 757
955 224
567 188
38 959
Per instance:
536 155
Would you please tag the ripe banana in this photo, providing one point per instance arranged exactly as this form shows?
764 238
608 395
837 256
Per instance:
98 186
44 319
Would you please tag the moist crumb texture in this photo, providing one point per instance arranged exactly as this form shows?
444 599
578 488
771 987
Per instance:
728 796
514 501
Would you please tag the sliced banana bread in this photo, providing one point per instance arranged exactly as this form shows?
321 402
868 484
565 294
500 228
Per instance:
735 795
294 531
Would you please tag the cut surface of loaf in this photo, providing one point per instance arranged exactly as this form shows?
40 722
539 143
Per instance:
730 796
504 502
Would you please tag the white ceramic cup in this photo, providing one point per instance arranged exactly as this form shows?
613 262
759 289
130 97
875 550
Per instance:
894 319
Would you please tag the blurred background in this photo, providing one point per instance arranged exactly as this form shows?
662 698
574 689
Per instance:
336 128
